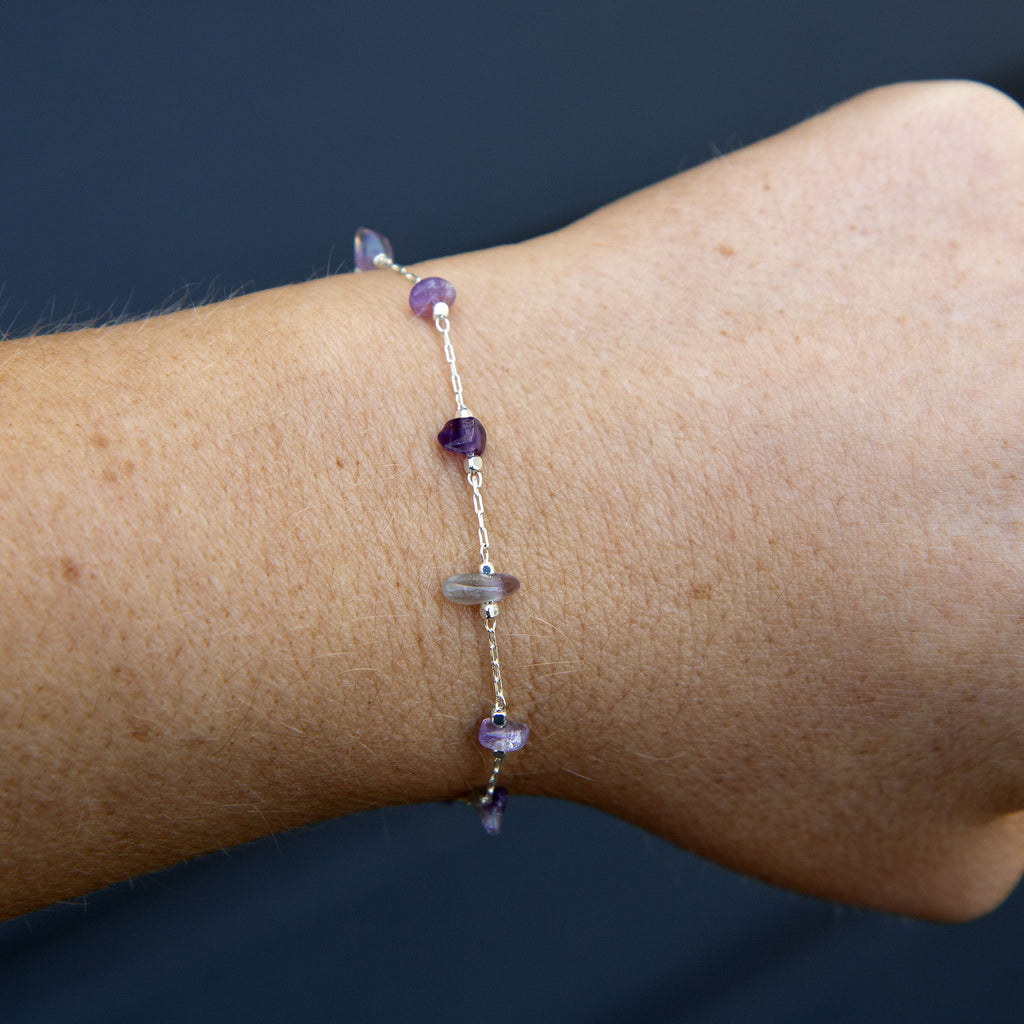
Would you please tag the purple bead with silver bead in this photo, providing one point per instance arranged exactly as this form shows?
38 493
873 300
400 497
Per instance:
464 436
427 292
368 245
505 738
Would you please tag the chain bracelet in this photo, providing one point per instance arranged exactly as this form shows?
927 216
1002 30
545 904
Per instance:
432 298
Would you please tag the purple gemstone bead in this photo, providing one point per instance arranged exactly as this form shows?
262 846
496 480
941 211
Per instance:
464 436
479 587
506 738
368 244
428 291
493 811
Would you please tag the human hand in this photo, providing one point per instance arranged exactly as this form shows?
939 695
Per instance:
806 600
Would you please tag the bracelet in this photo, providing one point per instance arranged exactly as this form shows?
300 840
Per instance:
432 298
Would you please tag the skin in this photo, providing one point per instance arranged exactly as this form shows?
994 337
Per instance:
756 442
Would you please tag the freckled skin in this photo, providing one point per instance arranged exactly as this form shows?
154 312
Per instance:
777 623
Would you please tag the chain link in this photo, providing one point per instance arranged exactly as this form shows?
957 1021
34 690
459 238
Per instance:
476 481
383 261
492 782
499 691
443 324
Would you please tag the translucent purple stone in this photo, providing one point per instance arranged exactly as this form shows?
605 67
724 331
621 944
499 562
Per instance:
465 436
428 291
506 738
368 245
493 811
479 587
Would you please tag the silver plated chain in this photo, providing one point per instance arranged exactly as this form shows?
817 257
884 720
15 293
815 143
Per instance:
474 477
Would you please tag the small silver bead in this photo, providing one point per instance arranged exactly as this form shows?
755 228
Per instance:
473 464
465 413
489 611
486 568
440 309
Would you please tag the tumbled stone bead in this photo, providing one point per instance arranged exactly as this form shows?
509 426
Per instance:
428 291
479 587
465 436
369 244
506 738
493 811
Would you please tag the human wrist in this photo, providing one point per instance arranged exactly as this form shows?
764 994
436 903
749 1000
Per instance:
587 460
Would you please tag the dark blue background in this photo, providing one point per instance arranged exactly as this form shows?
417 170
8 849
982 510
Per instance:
153 154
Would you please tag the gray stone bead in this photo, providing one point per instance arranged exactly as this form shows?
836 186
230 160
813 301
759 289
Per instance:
479 587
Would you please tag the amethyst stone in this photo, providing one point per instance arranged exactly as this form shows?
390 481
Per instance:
464 436
492 811
368 244
428 291
479 587
506 738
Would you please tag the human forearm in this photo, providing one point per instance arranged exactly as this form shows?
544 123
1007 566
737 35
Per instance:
225 533
212 528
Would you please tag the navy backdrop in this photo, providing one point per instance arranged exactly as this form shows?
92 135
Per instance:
153 154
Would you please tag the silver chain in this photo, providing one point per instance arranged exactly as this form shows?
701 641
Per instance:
474 477
492 644
443 325
499 760
380 260
476 482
